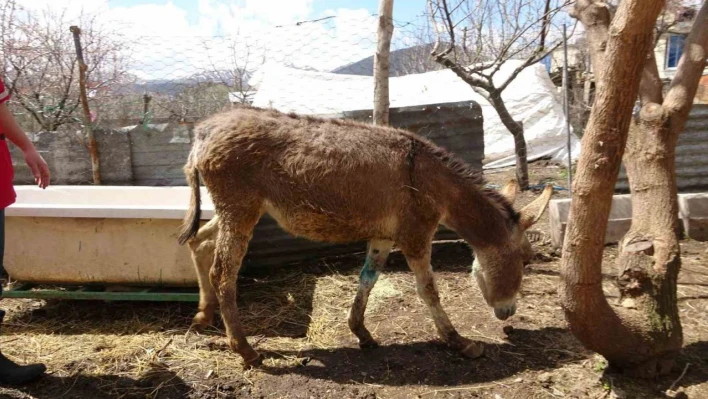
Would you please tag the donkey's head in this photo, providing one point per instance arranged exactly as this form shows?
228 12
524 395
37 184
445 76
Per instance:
499 271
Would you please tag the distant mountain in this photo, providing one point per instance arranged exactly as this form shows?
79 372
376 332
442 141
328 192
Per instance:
405 61
176 86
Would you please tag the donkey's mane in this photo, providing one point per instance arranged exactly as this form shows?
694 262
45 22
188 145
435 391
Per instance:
457 166
466 172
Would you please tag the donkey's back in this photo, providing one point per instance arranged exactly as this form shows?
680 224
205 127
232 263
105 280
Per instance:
325 179
299 145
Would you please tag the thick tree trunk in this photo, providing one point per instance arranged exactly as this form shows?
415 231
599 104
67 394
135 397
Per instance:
649 259
517 130
650 256
616 334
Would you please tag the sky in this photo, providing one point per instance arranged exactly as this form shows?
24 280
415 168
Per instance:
403 10
174 38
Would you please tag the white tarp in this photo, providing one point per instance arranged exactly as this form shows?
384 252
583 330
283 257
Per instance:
531 98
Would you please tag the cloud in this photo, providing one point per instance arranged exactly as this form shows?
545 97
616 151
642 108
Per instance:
168 41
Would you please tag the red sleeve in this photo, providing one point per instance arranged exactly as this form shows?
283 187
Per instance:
4 92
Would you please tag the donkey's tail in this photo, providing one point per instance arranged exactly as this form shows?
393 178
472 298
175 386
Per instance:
190 226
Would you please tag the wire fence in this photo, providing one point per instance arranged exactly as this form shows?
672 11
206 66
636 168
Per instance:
145 79
155 88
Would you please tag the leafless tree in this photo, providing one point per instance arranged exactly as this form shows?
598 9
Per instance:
642 334
482 35
231 64
675 15
242 60
191 99
40 67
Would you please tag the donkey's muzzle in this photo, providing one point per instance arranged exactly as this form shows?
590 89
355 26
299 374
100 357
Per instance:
504 312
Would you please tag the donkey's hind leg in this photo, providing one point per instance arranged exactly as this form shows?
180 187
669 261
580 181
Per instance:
375 261
202 249
419 262
235 231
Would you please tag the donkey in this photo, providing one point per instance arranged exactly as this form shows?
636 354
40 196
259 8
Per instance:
335 180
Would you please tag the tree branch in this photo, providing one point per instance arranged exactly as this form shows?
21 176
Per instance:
650 85
595 16
679 98
451 29
544 25
529 61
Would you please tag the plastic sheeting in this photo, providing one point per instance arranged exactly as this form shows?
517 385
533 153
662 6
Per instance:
531 98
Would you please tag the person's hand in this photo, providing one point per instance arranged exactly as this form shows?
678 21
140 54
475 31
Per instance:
39 167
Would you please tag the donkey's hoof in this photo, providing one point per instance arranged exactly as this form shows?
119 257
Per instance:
473 349
254 362
368 344
201 321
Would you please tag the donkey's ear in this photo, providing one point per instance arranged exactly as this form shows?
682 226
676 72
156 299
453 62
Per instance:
510 190
532 212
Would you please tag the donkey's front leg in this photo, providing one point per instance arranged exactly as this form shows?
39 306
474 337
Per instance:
375 261
429 293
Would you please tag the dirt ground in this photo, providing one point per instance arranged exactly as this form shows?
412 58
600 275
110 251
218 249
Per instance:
296 317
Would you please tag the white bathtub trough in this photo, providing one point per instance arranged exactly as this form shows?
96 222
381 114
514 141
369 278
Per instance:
100 234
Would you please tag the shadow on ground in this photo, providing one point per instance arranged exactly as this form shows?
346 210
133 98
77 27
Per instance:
430 363
156 383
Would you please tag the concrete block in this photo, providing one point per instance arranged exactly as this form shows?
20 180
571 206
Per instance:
693 211
693 215
619 222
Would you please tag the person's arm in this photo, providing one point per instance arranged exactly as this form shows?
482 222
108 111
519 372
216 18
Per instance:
13 131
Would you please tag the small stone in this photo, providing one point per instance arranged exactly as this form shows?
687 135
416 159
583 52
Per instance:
629 303
544 377
508 329
676 394
519 380
578 393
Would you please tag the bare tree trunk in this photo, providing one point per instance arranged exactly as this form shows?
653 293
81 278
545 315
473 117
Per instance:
381 62
92 145
650 255
618 334
649 259
517 130
146 108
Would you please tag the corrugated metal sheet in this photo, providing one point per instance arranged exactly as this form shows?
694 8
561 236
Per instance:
455 126
271 246
691 154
